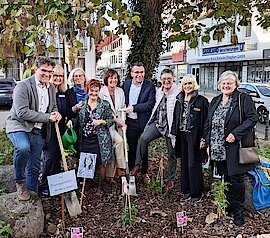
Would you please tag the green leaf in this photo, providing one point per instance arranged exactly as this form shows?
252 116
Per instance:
16 26
193 44
51 48
8 22
206 38
19 12
64 7
77 43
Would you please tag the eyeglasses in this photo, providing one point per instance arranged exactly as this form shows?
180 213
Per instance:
188 83
227 83
78 76
168 79
58 76
138 72
46 71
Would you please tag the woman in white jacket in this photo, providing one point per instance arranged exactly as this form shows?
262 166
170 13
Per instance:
112 93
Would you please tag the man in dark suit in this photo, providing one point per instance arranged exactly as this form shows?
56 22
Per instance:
140 100
27 126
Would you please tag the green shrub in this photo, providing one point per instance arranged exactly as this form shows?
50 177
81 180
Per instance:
6 149
5 230
265 151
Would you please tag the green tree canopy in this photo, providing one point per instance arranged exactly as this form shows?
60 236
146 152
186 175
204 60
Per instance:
28 28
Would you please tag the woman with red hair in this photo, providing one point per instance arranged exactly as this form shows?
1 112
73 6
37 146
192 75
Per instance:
95 119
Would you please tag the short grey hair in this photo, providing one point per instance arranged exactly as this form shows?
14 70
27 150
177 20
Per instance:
229 75
70 77
189 78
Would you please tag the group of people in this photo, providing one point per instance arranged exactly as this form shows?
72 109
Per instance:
103 115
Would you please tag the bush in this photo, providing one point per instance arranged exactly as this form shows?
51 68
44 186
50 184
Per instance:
6 149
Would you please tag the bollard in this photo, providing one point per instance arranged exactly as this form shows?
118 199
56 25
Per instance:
266 125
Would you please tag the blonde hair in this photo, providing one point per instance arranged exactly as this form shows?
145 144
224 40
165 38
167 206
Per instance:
70 77
229 75
63 86
189 78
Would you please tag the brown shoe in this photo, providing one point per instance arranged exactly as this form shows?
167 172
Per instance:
22 192
146 179
120 172
135 170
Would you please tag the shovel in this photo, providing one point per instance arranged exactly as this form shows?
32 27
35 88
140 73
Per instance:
130 184
71 199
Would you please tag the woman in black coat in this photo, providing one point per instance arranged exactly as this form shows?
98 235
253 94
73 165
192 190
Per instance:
52 154
223 133
189 118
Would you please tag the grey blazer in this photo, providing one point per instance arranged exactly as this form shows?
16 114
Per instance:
24 112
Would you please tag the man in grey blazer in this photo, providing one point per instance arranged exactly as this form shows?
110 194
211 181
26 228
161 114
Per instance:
28 124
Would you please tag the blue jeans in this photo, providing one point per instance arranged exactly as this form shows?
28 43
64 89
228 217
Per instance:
28 148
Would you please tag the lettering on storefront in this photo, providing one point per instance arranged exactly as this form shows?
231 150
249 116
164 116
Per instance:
223 49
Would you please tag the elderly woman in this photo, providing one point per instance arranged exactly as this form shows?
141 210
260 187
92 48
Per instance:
158 126
95 119
52 154
223 134
76 95
189 118
112 93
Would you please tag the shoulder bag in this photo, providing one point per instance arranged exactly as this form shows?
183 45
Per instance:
247 155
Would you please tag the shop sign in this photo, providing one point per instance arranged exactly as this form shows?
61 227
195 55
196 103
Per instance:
223 49
250 46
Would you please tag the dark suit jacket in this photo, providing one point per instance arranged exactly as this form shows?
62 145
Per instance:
242 131
146 100
71 101
24 112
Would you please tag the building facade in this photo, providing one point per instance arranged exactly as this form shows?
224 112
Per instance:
250 58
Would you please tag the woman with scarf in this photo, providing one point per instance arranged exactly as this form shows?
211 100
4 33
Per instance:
76 95
190 113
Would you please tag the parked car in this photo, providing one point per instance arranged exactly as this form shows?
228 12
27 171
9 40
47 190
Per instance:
7 86
261 96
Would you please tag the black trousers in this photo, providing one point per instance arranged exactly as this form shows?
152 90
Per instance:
191 169
133 134
236 193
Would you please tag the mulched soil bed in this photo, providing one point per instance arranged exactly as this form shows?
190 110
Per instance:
99 217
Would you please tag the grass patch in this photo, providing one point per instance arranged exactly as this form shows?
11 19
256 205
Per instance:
264 151
6 149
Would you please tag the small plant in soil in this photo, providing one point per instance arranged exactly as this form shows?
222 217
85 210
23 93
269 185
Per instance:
6 149
3 189
218 191
5 230
156 183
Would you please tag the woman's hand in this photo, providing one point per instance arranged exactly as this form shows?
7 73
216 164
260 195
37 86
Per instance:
119 122
202 144
230 138
98 122
77 107
69 124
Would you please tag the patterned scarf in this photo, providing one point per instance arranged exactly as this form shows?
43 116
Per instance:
81 95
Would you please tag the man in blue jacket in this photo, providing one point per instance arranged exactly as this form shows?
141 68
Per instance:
28 124
140 100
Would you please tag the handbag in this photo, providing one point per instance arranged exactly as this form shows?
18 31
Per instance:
247 155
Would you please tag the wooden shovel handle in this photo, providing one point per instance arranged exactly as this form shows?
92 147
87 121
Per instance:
61 147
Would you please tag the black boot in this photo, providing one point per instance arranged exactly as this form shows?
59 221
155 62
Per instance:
239 217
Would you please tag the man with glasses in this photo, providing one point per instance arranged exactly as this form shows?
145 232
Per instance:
159 125
28 125
140 100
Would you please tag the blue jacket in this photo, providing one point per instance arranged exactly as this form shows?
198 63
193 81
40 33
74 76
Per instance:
146 101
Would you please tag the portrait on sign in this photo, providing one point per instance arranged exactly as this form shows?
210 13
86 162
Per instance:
87 165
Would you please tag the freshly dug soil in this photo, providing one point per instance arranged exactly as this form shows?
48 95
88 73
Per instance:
99 217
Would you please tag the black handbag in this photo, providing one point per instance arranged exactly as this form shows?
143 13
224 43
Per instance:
247 155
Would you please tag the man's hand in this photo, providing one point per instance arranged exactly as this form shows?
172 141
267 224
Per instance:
77 107
69 124
55 117
129 109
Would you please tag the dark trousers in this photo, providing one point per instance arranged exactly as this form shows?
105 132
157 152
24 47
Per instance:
151 133
236 193
52 156
191 169
133 134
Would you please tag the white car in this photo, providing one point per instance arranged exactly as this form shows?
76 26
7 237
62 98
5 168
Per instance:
261 96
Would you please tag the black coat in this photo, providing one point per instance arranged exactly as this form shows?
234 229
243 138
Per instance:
71 101
243 131
196 118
